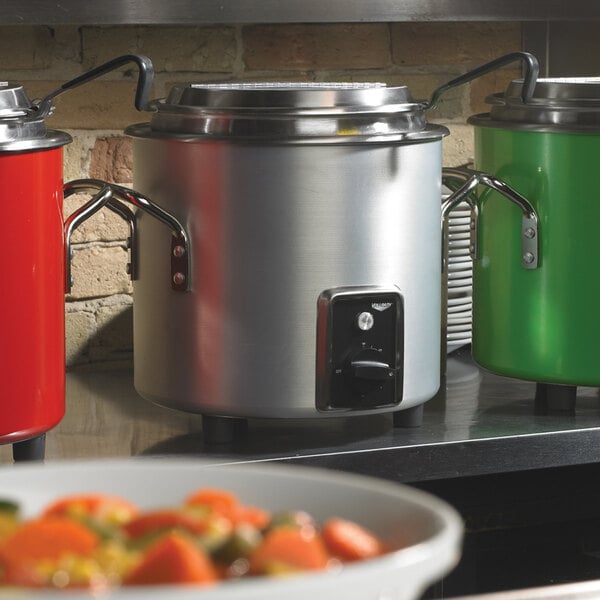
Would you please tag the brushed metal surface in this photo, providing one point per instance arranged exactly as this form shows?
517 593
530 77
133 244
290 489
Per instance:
186 12
478 424
581 590
271 227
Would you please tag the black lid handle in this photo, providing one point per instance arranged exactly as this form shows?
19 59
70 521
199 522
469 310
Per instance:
530 78
145 78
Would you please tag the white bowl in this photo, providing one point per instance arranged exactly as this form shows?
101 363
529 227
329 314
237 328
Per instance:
459 235
462 251
465 219
459 327
456 244
460 289
459 303
459 274
467 319
464 266
398 513
460 336
460 259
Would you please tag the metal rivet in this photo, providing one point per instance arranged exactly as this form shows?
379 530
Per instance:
529 232
528 258
178 251
178 278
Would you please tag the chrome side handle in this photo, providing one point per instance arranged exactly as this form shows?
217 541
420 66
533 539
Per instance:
463 182
102 194
114 197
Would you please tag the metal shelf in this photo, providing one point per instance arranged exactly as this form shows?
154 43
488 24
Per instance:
511 472
191 12
479 424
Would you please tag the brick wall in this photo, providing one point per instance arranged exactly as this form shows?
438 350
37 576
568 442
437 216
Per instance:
420 55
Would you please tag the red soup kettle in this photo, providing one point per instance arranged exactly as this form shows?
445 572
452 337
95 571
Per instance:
32 261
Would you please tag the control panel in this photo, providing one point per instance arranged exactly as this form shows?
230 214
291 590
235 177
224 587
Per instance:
360 346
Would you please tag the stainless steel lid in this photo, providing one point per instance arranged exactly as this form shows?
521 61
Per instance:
557 104
21 128
289 112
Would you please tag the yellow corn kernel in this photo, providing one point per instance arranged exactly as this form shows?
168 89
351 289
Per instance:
115 560
8 524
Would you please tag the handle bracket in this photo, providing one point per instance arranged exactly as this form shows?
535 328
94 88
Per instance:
180 242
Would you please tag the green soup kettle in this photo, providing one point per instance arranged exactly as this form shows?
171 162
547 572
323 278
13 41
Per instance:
536 285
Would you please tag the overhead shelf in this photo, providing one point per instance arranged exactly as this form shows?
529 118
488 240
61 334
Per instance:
199 12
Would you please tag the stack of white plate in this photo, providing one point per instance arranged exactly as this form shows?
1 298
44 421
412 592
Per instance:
460 278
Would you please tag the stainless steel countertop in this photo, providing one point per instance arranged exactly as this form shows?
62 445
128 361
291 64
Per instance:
585 590
478 424
188 12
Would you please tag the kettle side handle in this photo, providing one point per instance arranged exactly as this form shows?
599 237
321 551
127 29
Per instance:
114 196
467 181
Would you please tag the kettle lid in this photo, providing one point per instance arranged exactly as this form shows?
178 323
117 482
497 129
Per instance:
292 97
20 127
291 112
14 102
557 104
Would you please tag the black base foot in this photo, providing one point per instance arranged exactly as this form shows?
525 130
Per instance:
33 449
223 430
411 417
555 398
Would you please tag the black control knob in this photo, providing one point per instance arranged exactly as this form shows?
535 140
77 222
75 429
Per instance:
366 369
371 369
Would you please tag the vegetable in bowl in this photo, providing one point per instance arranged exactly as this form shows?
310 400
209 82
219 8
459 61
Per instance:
96 541
422 534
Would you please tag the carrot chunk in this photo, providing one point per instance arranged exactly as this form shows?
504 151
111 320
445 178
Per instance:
291 548
164 519
227 505
13 572
49 538
220 501
104 507
173 559
349 541
252 515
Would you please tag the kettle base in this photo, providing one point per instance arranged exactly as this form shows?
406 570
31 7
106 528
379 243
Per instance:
231 431
410 417
553 398
223 430
33 449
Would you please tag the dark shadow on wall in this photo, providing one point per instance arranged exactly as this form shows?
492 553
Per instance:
111 342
